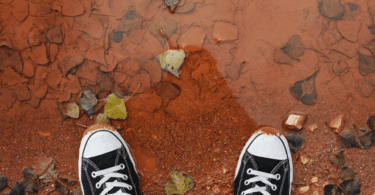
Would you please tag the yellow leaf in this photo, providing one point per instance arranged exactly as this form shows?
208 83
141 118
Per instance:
171 60
102 118
73 110
178 183
115 108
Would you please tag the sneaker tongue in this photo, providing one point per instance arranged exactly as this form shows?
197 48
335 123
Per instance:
265 165
110 159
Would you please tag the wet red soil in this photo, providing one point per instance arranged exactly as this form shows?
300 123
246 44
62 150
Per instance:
229 85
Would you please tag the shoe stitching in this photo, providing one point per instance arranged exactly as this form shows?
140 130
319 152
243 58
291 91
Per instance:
283 181
276 168
88 178
131 178
255 166
245 160
120 152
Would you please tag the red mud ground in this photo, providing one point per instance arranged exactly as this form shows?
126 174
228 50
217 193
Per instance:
229 88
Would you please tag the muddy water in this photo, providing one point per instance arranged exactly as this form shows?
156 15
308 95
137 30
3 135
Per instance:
230 84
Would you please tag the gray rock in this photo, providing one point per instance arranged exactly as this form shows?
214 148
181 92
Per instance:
351 187
352 6
348 139
294 48
88 101
366 64
295 140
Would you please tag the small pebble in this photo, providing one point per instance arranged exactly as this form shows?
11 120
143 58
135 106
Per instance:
337 124
314 180
295 122
312 128
304 159
304 189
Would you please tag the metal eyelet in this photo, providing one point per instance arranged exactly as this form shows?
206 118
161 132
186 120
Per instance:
125 177
249 171
130 188
274 187
246 182
97 185
93 174
278 176
122 166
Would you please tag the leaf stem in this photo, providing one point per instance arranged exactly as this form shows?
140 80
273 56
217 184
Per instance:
133 92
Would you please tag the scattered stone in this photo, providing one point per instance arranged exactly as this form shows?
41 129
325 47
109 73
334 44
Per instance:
366 87
6 97
54 35
337 124
72 8
349 29
153 70
294 48
3 182
39 90
224 31
281 57
366 64
295 122
33 101
303 190
39 54
348 139
69 60
314 180
53 78
346 173
312 128
96 54
143 79
192 39
119 77
304 90
304 159
21 93
167 91
168 26
88 101
10 57
332 190
351 187
348 48
367 139
20 9
331 8
295 140
10 77
337 160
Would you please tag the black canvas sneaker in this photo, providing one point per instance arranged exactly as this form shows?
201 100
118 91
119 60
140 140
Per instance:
105 164
265 165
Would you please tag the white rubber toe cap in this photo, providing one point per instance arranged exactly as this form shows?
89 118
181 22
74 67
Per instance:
268 146
100 143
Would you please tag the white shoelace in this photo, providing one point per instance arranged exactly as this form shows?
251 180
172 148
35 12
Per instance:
262 177
110 173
